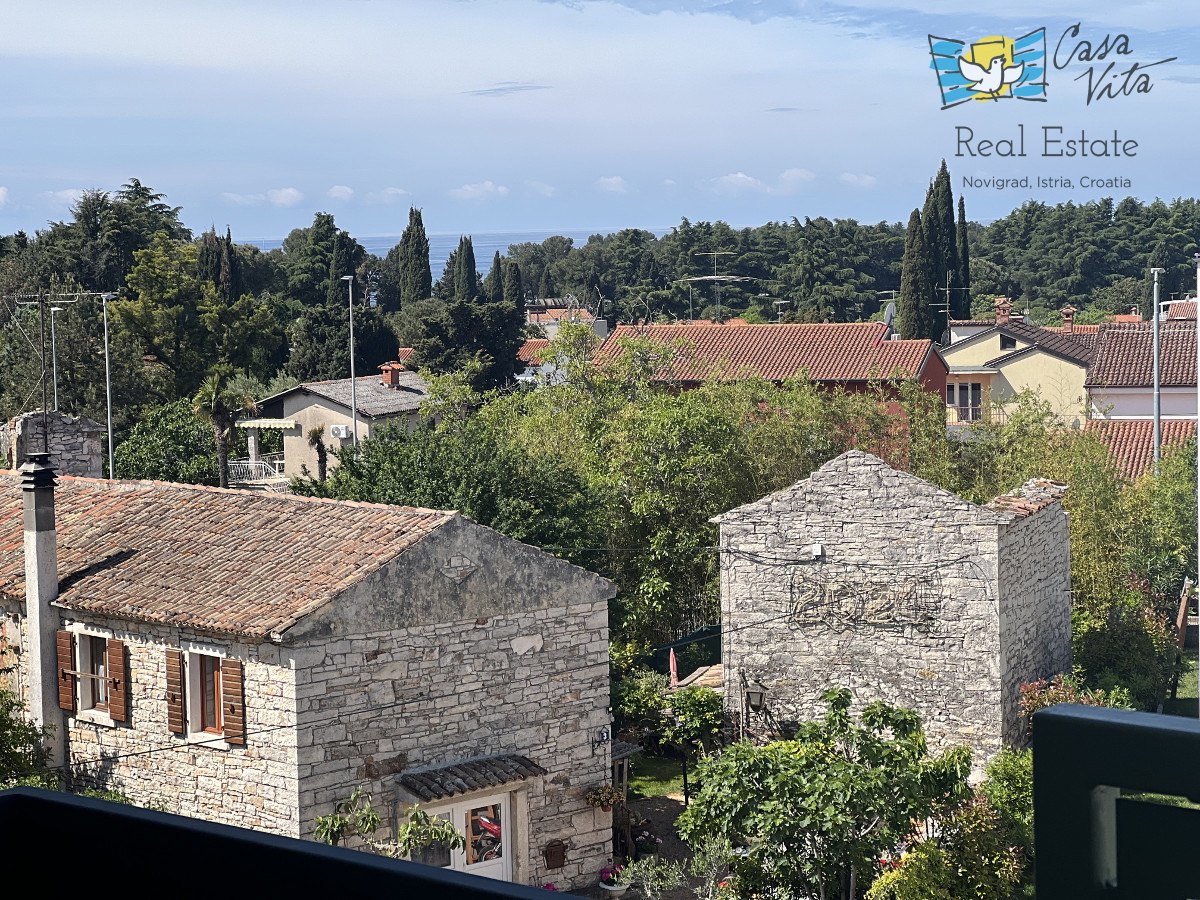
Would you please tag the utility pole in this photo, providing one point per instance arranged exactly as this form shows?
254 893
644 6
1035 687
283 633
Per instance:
54 352
1157 376
349 279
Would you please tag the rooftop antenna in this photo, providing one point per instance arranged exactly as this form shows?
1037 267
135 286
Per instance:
714 254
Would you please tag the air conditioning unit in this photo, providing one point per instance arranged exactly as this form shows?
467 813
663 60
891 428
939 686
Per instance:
340 431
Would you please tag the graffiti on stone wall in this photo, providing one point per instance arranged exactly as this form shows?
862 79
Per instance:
847 596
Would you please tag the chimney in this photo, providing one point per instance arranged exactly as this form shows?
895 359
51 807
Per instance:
1068 314
391 373
1003 310
41 588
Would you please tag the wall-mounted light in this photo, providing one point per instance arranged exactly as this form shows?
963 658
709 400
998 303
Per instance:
603 736
756 696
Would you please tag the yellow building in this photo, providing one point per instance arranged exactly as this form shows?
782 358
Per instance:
995 364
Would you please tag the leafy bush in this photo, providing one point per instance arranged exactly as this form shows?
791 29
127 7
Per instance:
638 698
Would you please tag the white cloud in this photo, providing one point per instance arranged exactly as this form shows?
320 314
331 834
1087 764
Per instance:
541 188
668 181
387 195
65 197
340 192
791 180
288 196
3 195
860 181
734 183
611 184
480 191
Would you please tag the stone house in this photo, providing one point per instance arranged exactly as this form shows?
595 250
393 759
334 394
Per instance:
76 442
251 658
869 578
1120 383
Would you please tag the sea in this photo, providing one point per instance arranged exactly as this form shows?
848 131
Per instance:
440 245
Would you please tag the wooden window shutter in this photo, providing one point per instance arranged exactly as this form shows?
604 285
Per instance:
233 702
118 682
175 719
66 665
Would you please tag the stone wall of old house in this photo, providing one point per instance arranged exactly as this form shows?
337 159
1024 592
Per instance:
533 683
900 605
253 786
76 446
1035 608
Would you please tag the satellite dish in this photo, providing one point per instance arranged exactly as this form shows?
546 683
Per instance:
889 313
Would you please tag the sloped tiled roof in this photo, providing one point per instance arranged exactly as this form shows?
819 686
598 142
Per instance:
530 350
1131 442
404 354
1080 347
1124 356
472 775
853 351
1075 329
1184 310
553 314
374 398
232 562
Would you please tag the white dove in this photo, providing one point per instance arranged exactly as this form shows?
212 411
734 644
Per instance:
991 79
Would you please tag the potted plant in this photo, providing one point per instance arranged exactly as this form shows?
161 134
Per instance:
428 839
603 796
610 880
646 842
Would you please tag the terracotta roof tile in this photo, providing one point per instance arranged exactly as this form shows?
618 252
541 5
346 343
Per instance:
1075 329
1184 310
1131 442
530 351
472 775
404 353
1033 495
1124 356
828 352
232 562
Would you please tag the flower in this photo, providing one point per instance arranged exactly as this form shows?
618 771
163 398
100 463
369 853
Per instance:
603 795
608 875
549 886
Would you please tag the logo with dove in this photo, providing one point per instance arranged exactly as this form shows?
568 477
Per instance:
990 69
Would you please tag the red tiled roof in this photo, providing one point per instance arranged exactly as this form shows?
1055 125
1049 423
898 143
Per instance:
558 315
530 351
225 561
1131 442
1182 309
404 353
1128 318
1035 494
853 351
1124 356
1076 329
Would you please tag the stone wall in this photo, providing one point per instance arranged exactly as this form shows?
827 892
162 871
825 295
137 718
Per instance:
76 445
901 605
1035 608
253 786
533 683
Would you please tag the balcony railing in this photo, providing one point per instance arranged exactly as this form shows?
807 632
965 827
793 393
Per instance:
265 468
969 415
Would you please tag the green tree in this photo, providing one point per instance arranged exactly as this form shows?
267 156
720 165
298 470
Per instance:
962 299
817 813
913 319
23 753
169 444
218 407
941 247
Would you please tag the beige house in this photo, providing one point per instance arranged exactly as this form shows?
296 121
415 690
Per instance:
390 399
251 658
995 364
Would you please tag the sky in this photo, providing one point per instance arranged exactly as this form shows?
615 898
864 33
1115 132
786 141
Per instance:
514 115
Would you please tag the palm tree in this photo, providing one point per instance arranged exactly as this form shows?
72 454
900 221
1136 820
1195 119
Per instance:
220 407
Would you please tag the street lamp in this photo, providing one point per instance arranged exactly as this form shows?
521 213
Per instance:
349 279
104 298
54 352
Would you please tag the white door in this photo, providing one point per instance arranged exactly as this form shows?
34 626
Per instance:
484 822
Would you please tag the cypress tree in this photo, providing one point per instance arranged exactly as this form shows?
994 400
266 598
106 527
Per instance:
912 309
964 262
513 291
414 278
466 279
937 219
546 285
493 284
